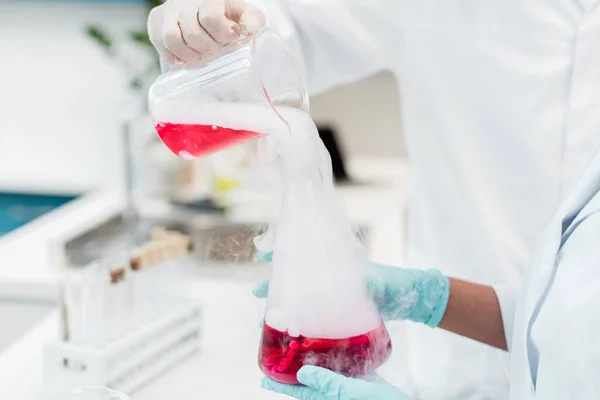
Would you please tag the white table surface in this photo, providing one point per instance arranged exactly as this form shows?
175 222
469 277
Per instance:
226 365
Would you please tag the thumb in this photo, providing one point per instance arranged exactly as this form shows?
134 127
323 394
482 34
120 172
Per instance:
155 34
322 380
252 19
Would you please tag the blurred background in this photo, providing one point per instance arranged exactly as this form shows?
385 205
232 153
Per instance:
63 96
78 157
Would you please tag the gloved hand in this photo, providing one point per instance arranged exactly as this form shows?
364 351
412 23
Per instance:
322 384
400 293
184 30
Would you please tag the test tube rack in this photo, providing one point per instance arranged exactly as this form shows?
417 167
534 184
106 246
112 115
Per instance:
122 322
129 359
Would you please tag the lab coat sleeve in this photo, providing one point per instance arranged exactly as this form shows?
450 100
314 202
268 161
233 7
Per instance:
507 299
337 41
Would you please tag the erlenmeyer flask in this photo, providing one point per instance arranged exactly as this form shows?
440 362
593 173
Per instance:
252 89
319 311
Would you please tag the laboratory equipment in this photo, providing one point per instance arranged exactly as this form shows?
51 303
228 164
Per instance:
206 106
318 311
128 359
399 293
123 287
90 394
123 318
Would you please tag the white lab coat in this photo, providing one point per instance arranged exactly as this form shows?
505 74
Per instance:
500 109
553 335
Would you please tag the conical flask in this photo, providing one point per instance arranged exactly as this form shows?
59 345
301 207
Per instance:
318 311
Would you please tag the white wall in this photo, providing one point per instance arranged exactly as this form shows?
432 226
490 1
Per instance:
367 113
61 98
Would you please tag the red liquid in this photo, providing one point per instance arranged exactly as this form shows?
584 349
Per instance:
186 140
281 356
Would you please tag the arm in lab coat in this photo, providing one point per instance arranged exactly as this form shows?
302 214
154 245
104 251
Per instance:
474 311
337 41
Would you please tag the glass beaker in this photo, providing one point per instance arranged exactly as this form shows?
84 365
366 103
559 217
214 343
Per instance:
90 394
252 89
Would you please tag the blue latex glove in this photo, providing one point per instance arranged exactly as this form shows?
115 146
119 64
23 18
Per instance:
322 384
400 293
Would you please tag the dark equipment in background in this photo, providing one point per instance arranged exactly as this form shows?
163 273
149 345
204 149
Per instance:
338 162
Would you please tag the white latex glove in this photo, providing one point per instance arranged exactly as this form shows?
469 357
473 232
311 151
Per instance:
184 30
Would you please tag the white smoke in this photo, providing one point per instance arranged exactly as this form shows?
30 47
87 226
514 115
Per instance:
317 288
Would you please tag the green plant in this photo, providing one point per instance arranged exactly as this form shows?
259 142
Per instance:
139 37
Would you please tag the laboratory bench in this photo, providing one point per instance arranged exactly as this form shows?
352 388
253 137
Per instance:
225 366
